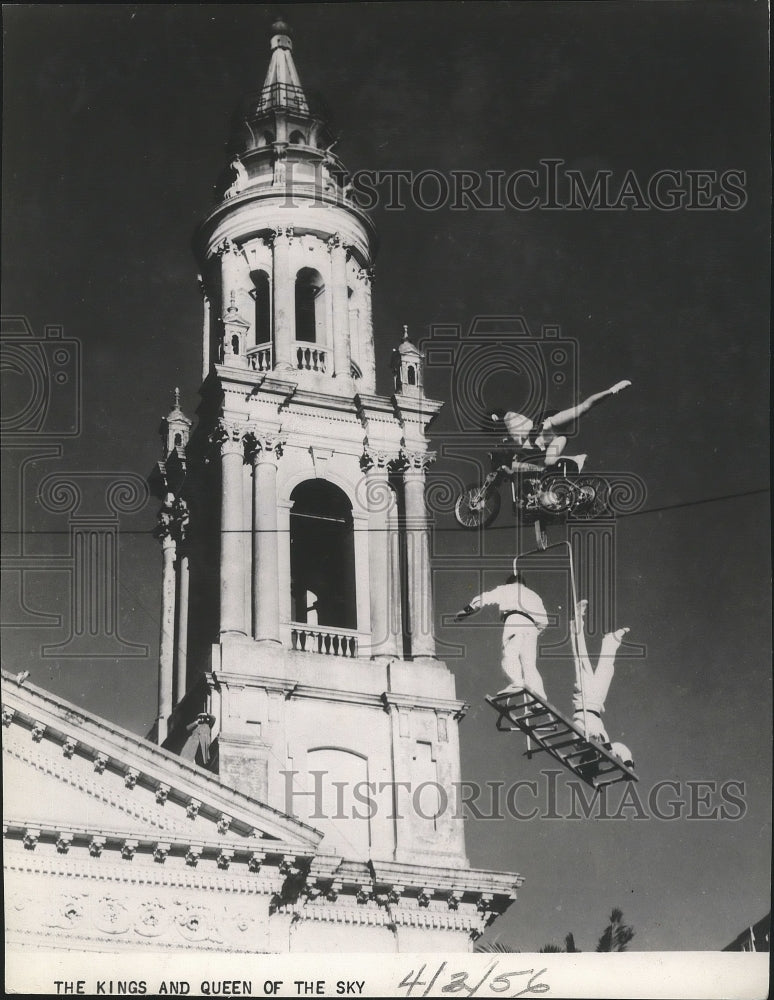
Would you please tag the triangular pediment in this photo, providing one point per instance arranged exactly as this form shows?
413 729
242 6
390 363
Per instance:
65 767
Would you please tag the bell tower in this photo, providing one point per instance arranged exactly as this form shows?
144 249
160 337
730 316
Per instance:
308 623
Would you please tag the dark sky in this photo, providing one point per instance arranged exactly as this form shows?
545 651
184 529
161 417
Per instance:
115 119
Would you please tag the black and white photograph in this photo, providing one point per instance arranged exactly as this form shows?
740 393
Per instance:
386 558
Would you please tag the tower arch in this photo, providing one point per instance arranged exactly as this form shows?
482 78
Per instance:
322 556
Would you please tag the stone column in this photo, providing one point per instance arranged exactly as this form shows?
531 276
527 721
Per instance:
283 299
395 588
165 532
340 307
420 600
233 537
367 356
266 449
181 665
206 329
380 500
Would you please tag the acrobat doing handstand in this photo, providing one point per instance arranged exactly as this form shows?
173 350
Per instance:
592 685
538 441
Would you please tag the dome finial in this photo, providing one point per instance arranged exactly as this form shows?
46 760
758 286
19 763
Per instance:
281 34
405 331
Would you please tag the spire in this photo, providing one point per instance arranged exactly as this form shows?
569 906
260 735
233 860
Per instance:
282 86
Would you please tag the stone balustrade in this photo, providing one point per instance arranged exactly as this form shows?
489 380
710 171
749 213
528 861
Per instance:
310 357
260 357
306 638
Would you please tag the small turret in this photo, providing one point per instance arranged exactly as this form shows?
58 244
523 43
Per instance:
407 367
175 429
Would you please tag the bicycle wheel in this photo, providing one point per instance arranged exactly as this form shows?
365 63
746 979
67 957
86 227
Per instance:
477 506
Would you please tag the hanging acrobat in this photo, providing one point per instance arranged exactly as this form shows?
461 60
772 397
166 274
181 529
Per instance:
580 743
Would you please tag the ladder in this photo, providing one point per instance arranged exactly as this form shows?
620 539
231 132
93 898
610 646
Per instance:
521 710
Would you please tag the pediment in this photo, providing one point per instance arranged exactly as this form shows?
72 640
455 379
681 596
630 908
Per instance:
64 766
43 787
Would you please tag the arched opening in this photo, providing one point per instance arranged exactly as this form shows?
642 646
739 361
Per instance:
322 556
412 375
267 138
310 306
261 297
297 138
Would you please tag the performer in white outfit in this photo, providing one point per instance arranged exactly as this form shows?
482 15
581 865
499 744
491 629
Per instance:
596 683
538 439
524 617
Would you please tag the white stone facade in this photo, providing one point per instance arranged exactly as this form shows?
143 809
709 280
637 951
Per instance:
297 665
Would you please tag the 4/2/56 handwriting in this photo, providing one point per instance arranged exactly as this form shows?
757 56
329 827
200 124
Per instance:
445 981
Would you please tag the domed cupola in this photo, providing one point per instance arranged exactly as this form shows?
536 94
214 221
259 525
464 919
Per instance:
286 254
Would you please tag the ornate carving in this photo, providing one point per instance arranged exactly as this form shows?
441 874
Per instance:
376 458
229 434
364 895
280 233
30 839
416 461
162 792
265 444
254 862
226 246
131 776
192 856
38 731
224 823
224 859
64 842
453 900
485 903
111 916
240 178
8 714
367 274
152 920
172 519
96 846
289 867
128 849
69 747
424 897
192 809
100 762
160 852
335 243
391 897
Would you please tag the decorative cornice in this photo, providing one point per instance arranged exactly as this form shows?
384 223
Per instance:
447 706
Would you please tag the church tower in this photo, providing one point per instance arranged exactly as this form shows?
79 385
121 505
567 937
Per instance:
298 660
